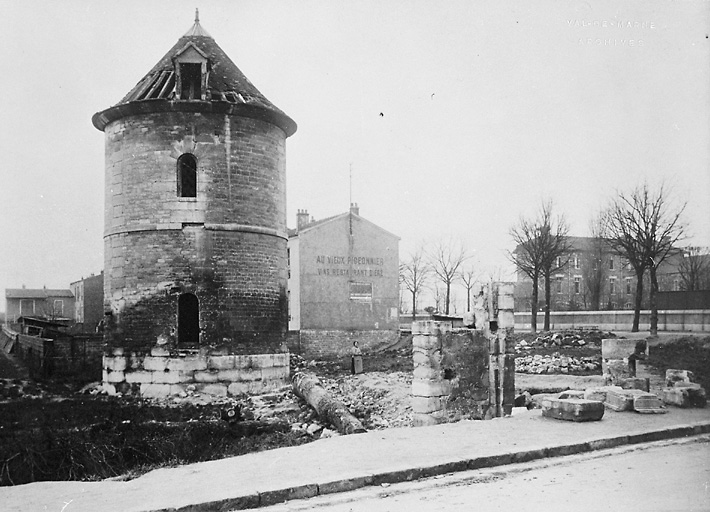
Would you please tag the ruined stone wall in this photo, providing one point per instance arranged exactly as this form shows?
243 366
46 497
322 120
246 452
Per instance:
227 246
466 373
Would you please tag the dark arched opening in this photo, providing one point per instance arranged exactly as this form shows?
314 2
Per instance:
187 176
188 319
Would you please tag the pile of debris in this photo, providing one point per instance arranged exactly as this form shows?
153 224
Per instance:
568 338
15 388
557 364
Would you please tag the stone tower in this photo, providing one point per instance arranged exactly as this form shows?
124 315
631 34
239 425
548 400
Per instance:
195 209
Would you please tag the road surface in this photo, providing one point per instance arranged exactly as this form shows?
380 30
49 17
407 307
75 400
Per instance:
665 476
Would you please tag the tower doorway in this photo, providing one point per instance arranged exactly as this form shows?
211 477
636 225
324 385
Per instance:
188 319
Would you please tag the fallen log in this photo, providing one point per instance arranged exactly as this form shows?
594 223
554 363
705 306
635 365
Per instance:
308 387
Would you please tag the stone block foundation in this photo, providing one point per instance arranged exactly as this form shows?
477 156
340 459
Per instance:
156 376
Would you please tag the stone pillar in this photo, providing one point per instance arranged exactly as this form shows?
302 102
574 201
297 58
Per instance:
430 388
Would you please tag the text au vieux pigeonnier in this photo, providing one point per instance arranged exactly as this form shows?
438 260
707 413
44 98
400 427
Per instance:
354 266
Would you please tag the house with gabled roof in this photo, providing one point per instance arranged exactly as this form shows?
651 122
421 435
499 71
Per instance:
47 303
343 284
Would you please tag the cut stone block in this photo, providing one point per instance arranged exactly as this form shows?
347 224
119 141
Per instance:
648 403
618 369
673 376
599 394
616 348
619 400
688 396
571 393
572 409
640 383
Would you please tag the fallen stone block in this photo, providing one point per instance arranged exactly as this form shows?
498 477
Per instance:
571 393
599 394
688 396
644 384
620 400
616 369
648 403
673 376
572 409
537 399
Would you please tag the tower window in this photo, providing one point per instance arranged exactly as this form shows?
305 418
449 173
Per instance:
187 176
190 81
188 320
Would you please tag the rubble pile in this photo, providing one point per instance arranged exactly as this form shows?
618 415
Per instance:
15 388
556 363
568 338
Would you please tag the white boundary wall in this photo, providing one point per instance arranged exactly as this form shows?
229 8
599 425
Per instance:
694 320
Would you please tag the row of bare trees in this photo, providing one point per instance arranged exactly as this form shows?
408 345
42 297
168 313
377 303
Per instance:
444 264
642 226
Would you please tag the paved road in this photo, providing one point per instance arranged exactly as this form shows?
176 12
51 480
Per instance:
665 476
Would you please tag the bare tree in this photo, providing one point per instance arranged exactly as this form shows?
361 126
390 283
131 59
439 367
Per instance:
446 259
643 226
694 268
542 247
469 278
413 274
593 269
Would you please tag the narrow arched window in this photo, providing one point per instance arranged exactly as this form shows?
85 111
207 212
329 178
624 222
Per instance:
188 319
187 176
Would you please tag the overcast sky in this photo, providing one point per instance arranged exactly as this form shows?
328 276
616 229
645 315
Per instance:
456 117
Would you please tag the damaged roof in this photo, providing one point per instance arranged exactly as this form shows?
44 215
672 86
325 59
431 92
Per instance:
228 89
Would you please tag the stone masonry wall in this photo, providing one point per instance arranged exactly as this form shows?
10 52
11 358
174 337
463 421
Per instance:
227 246
160 373
466 373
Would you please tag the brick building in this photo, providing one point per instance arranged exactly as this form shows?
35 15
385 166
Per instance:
343 283
88 302
195 213
590 261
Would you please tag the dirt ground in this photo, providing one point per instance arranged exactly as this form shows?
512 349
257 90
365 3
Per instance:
224 426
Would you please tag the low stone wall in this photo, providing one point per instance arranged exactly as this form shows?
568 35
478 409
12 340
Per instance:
694 320
162 373
319 343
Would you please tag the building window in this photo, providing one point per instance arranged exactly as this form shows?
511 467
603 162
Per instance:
190 81
611 263
612 285
187 176
558 262
576 261
676 285
27 307
188 319
361 292
558 284
628 286
58 308
577 284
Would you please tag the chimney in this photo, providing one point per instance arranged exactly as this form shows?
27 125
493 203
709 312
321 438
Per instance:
301 219
354 208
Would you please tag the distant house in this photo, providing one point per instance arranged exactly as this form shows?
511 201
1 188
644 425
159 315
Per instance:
88 302
343 283
49 304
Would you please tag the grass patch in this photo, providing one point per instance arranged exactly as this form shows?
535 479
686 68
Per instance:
94 438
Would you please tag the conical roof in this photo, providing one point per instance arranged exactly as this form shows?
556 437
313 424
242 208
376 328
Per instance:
228 89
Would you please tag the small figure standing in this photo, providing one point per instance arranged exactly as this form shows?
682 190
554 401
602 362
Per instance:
356 359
